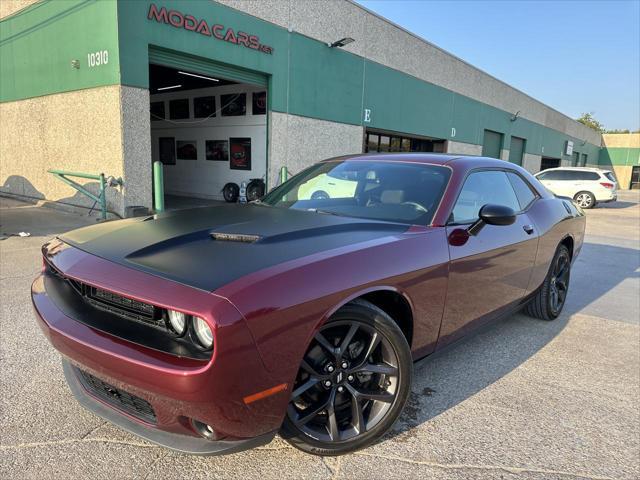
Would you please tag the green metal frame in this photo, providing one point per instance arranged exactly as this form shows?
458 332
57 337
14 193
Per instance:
102 198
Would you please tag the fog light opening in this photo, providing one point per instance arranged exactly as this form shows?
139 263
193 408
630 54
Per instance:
204 430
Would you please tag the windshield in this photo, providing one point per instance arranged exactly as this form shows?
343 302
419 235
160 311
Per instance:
390 191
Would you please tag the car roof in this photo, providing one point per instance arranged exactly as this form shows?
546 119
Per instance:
427 158
584 169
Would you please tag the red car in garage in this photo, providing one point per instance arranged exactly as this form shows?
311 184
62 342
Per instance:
210 330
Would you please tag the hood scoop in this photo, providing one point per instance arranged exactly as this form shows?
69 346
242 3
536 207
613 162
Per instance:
235 237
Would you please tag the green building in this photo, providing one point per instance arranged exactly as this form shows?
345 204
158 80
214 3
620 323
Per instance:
229 91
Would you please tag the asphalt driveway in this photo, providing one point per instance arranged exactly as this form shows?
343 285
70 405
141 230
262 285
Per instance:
522 399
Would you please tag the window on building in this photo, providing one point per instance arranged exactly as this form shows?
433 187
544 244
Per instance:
372 142
584 159
576 159
380 142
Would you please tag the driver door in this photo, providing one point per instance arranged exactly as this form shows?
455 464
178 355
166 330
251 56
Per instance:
488 272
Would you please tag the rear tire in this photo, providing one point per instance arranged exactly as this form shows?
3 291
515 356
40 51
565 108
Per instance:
353 383
585 199
550 298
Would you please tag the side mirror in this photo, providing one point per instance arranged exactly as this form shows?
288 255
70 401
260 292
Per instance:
492 215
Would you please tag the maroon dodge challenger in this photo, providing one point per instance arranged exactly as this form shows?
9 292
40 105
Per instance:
210 330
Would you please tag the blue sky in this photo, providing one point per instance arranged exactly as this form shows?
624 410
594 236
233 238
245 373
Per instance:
576 56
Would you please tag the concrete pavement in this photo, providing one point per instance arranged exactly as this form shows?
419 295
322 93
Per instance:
522 399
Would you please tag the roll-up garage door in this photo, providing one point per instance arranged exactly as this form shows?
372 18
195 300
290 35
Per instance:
492 144
190 63
516 150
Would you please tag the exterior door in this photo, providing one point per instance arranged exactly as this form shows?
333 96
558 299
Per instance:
492 144
488 272
516 150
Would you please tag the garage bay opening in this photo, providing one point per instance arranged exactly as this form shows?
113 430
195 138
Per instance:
210 133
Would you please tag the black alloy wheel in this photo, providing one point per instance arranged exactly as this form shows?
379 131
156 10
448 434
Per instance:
559 283
352 384
549 300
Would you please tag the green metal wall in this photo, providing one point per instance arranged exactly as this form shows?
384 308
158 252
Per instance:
305 76
38 44
620 156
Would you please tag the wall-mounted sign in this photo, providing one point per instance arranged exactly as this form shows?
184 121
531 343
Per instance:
189 22
95 59
568 149
367 115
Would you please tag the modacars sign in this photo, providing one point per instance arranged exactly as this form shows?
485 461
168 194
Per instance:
189 22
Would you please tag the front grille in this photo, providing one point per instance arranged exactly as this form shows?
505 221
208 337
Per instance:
118 398
123 306
113 303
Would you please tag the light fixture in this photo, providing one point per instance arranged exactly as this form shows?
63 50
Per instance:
514 117
178 321
169 88
203 332
198 76
341 43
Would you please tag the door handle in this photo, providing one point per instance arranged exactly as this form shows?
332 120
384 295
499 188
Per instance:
528 229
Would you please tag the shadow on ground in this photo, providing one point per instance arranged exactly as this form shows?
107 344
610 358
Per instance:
443 380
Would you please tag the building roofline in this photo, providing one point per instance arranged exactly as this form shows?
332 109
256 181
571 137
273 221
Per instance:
423 40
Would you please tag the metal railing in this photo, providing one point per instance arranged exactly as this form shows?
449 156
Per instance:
101 198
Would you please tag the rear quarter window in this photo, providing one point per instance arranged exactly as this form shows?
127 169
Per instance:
525 194
610 176
588 176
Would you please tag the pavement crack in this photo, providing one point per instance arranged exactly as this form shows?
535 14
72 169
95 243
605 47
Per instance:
92 430
154 463
463 466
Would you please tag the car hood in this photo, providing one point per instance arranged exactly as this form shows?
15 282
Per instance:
209 247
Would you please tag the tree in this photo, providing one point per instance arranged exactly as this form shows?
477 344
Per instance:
618 131
589 120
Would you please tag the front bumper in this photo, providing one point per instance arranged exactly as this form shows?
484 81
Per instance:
179 390
174 441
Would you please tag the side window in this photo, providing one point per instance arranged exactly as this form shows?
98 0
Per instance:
523 190
479 189
565 175
551 175
591 176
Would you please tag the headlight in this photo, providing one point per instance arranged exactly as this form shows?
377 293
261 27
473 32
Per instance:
203 332
178 321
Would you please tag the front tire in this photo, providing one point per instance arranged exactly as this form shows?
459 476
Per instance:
352 385
585 199
552 294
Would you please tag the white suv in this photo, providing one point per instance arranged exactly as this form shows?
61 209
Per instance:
587 186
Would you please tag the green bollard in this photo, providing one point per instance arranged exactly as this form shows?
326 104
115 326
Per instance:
158 187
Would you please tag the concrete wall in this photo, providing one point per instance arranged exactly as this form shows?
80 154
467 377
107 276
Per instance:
378 39
206 178
463 148
60 131
83 131
298 142
136 147
9 7
531 162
